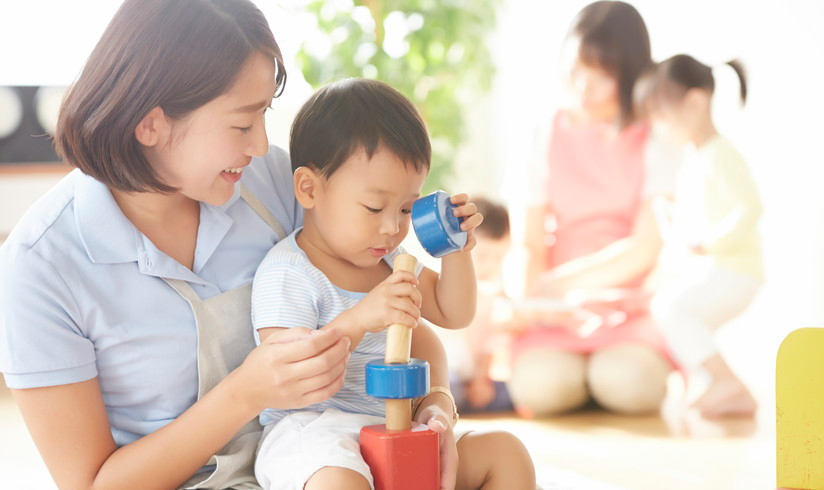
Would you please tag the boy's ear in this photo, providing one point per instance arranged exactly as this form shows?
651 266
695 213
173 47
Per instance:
152 128
307 183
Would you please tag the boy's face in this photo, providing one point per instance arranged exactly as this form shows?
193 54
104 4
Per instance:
488 256
362 212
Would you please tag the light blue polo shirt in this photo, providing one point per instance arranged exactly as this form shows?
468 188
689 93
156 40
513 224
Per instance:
81 293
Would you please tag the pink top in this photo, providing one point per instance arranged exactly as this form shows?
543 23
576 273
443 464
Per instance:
595 188
595 185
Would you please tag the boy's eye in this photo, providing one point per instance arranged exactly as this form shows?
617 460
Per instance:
244 129
372 210
406 210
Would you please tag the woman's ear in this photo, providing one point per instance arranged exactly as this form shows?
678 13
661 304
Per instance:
152 128
307 184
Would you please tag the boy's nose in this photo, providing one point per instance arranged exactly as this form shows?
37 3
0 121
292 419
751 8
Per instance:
390 225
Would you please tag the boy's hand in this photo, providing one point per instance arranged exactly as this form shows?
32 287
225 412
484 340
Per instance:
472 218
438 421
395 300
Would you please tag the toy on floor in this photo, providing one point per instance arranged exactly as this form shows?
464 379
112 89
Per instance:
799 408
401 455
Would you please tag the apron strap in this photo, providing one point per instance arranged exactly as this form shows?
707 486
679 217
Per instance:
262 211
184 289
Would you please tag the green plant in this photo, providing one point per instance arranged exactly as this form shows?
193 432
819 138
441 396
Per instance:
432 51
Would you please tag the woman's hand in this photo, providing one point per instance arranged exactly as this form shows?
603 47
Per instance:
471 218
437 420
292 368
396 300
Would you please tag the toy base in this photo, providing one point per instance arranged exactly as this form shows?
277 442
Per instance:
402 460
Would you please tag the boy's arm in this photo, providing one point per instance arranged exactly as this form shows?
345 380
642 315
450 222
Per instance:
449 299
427 346
344 323
395 300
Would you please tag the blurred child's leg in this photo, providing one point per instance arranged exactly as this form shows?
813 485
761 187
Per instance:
628 378
688 311
547 381
494 461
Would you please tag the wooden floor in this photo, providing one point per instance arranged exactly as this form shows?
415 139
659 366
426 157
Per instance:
591 450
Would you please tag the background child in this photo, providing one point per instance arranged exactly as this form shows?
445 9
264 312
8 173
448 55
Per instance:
360 155
714 218
472 351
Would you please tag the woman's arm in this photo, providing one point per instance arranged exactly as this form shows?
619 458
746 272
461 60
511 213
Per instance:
70 427
612 266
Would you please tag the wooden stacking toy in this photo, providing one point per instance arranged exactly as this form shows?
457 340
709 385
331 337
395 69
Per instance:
401 455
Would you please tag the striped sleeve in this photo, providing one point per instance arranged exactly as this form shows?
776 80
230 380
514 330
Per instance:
284 295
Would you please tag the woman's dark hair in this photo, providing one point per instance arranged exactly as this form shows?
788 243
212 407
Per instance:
176 54
673 77
355 113
496 218
613 37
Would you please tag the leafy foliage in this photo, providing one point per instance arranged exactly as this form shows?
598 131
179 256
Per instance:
432 51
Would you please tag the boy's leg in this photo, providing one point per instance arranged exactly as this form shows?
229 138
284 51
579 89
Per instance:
332 477
494 461
313 448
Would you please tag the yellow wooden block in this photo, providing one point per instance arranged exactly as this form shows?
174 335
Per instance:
799 415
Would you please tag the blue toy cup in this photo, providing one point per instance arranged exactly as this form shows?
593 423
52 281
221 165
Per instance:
437 228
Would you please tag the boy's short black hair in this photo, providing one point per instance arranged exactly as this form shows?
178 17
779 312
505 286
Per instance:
355 113
496 218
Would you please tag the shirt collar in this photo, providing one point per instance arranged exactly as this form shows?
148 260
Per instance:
110 238
107 235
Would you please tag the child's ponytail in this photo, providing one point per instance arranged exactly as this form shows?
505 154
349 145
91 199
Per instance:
742 77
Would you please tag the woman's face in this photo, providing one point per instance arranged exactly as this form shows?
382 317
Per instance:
207 151
595 90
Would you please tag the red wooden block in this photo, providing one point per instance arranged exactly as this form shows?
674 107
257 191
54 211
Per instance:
402 460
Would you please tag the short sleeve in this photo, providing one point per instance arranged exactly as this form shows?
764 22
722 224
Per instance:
284 295
662 161
41 343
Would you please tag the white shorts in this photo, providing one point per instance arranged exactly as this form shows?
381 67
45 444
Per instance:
294 449
302 443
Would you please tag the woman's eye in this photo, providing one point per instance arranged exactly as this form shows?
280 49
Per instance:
244 130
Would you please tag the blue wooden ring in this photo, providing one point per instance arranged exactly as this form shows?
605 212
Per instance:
438 229
410 380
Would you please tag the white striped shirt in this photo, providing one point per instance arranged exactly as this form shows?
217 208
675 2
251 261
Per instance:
289 292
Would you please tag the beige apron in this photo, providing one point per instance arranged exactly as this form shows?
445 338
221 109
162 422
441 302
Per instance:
224 339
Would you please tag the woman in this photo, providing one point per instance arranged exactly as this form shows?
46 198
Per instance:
590 230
